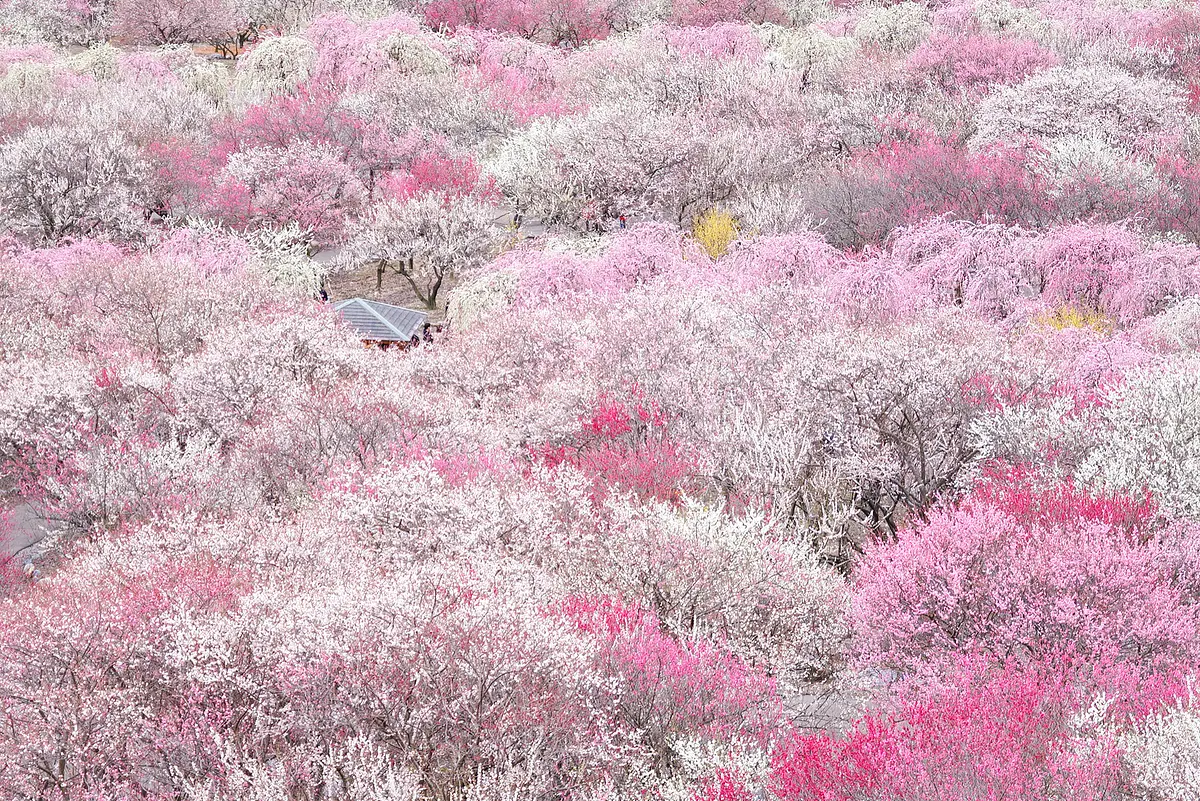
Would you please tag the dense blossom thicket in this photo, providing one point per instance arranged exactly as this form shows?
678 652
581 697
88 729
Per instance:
816 417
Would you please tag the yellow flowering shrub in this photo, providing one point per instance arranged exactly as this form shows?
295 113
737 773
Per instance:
715 230
1071 317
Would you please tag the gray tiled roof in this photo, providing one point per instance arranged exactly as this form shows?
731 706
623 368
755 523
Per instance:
379 321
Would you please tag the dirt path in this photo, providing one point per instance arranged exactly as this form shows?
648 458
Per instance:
28 529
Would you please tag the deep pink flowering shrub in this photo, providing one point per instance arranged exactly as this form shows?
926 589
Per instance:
626 448
726 785
440 174
1032 501
999 735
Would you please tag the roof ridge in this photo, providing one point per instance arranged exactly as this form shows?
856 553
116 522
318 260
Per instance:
373 319
367 304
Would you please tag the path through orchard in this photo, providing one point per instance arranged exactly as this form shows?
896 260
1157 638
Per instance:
28 528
